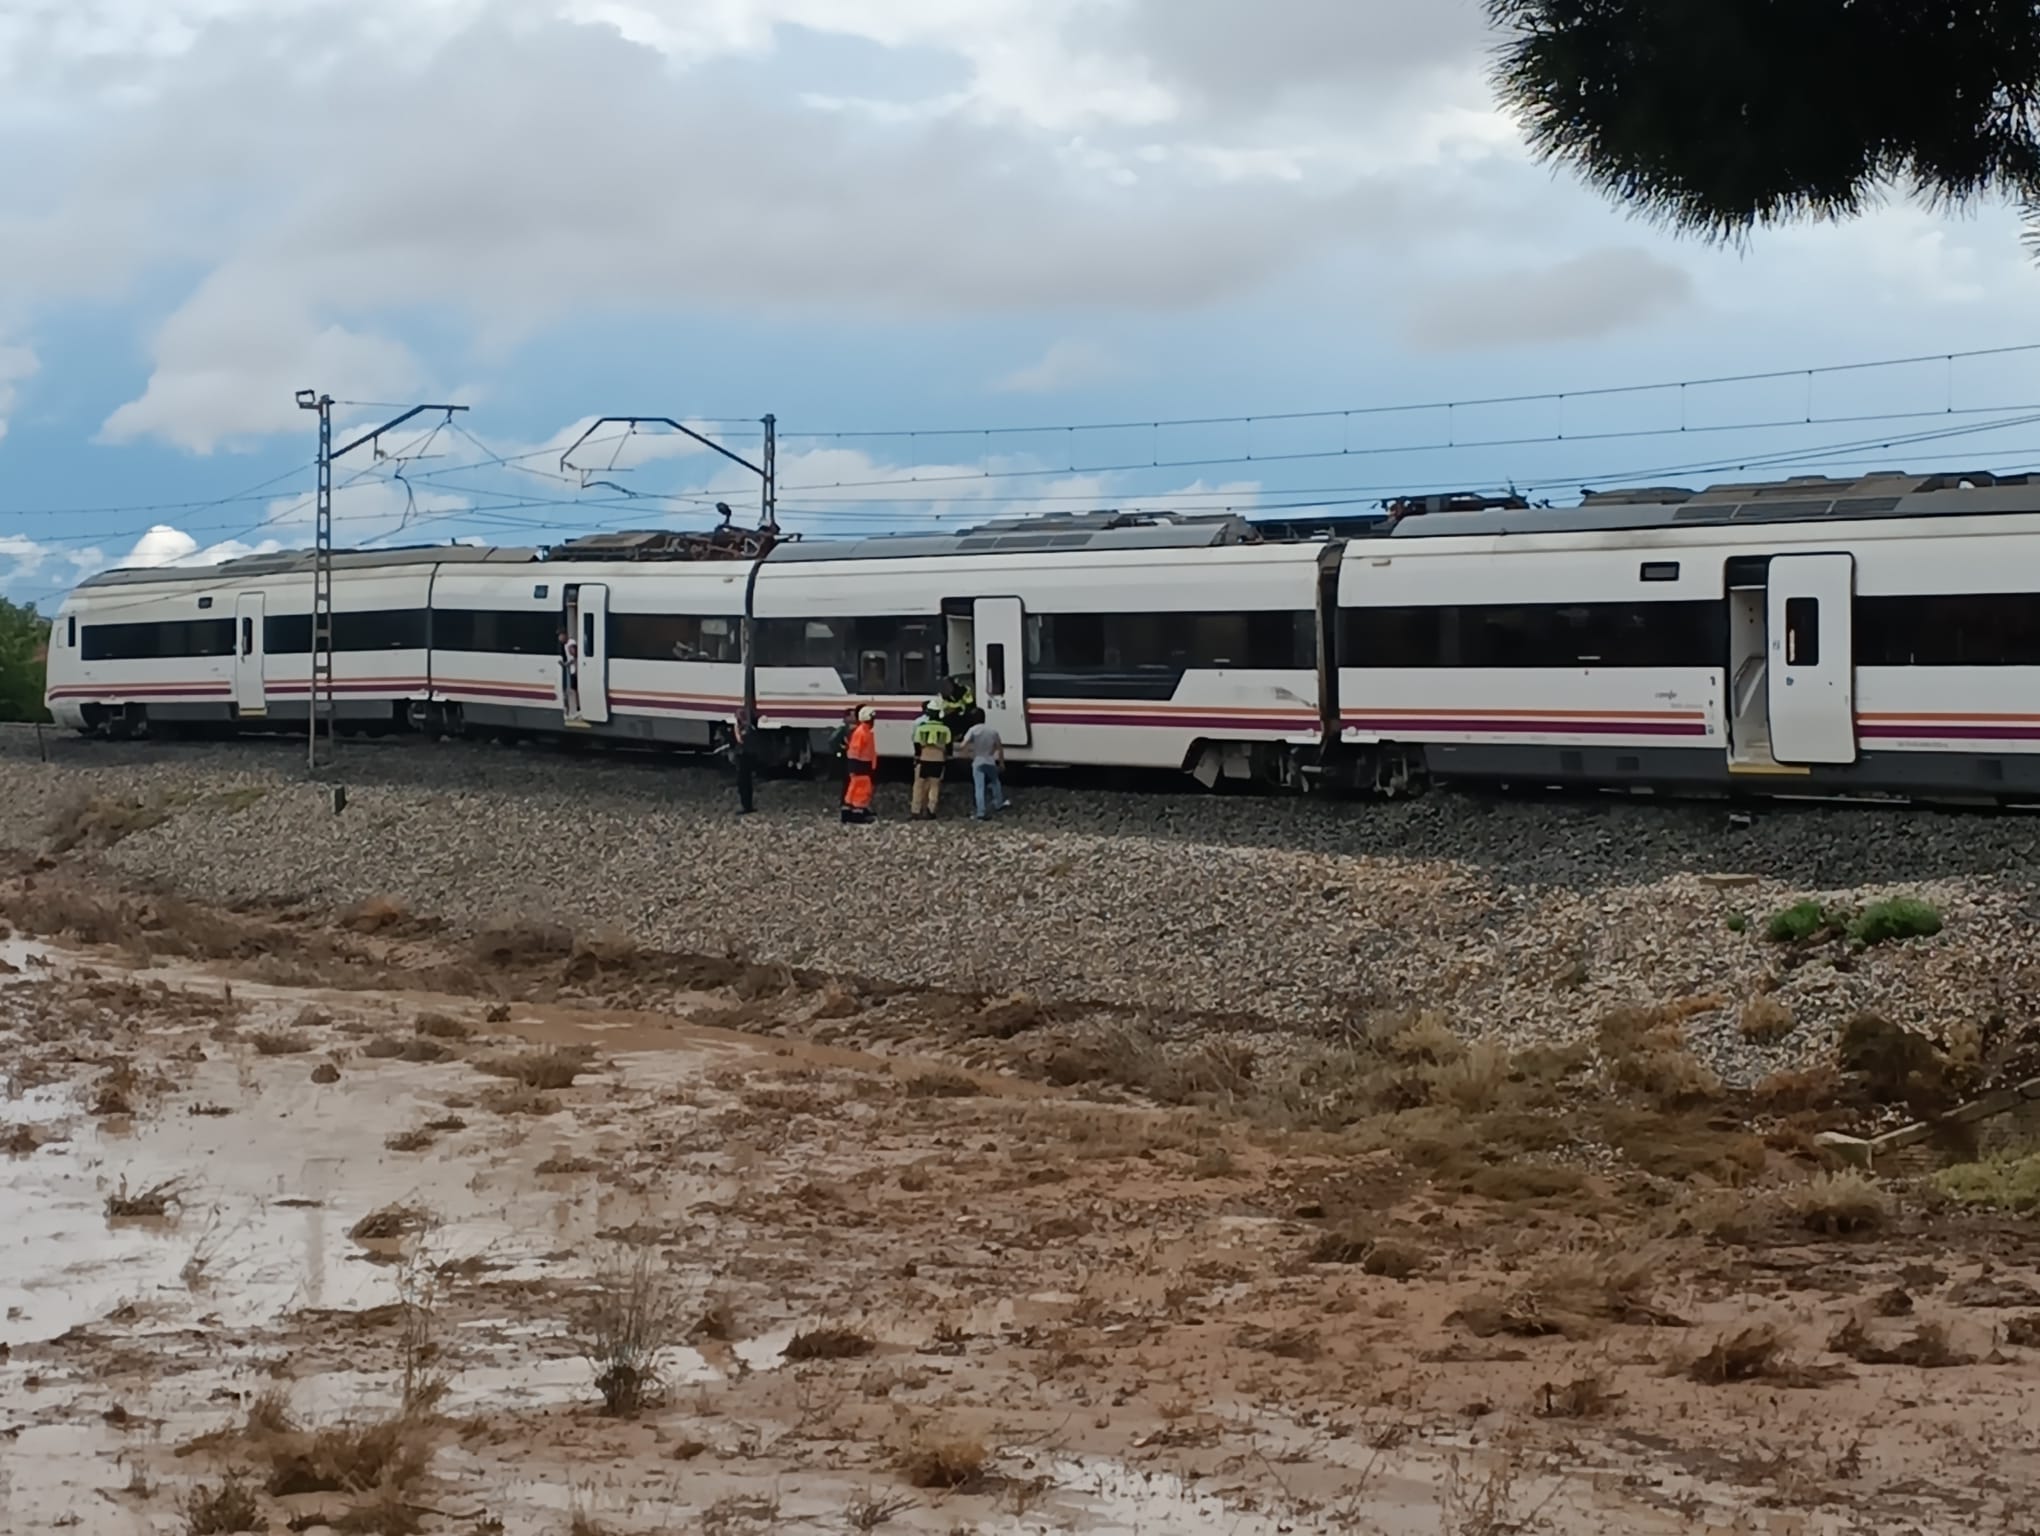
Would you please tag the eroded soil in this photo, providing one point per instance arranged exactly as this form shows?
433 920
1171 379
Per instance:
879 1285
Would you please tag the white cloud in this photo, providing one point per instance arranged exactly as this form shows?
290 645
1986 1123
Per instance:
1065 365
166 545
17 365
1588 295
230 362
527 216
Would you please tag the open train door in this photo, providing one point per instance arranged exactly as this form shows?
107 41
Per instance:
250 697
1812 658
592 671
999 635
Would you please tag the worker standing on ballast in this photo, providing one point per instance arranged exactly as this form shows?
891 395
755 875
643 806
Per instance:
860 783
931 760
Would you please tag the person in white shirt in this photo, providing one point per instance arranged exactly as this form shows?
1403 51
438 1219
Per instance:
987 754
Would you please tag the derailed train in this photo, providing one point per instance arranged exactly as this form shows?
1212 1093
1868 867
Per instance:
1807 636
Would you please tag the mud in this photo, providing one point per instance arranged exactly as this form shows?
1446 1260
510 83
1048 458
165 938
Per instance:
1057 1314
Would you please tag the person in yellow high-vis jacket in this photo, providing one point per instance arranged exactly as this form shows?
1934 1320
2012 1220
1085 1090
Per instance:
931 760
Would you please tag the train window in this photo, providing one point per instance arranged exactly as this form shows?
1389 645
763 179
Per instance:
518 633
386 629
1669 634
1660 570
588 635
71 630
1802 631
172 639
247 637
995 670
205 602
1978 629
539 591
673 637
873 669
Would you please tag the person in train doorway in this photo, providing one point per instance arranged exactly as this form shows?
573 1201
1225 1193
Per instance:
932 743
860 783
744 760
570 690
987 753
959 706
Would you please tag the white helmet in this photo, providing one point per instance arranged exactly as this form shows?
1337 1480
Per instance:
932 707
867 714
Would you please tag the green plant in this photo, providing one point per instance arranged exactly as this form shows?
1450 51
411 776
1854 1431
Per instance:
1801 921
2003 1183
24 644
1738 922
1902 917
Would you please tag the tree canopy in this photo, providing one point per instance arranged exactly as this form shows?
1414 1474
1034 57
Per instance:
1721 115
23 635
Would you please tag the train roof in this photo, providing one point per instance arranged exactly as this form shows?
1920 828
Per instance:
1052 532
1801 499
293 562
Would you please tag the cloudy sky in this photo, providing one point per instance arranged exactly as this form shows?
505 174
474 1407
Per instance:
904 221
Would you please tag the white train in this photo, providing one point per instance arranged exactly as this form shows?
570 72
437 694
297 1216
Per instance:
1805 636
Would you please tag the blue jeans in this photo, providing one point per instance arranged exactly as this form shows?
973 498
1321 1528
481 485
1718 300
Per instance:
984 777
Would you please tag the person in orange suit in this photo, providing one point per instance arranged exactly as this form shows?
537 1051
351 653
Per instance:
860 786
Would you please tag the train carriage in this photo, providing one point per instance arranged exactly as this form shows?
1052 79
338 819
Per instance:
1878 636
1805 636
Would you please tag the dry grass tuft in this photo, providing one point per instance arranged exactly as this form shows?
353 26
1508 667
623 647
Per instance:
440 1026
1765 1020
517 1099
155 1201
417 1139
1574 1295
383 1048
279 1042
387 1454
1644 1050
509 942
633 1315
829 1343
1839 1204
868 1511
1756 1352
1928 1348
19 1141
950 1462
1475 1081
1387 1257
377 914
222 1509
386 1224
86 820
544 1070
1584 1397
943 1083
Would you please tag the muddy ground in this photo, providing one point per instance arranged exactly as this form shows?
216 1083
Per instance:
328 1220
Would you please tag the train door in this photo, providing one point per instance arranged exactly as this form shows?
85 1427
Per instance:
594 659
1812 658
249 695
999 636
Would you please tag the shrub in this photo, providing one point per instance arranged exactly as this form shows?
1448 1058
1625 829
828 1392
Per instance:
1738 922
1838 1204
1801 921
633 1317
220 1511
1900 918
2003 1183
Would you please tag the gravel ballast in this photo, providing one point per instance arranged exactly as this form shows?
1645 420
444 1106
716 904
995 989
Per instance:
1525 920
